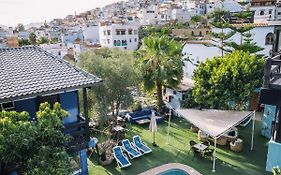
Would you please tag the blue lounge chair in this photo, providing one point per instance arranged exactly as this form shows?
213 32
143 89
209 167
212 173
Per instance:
140 145
121 159
132 152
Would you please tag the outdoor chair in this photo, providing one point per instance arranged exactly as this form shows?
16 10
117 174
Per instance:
131 151
222 141
207 143
231 135
196 153
191 144
202 136
141 146
209 153
237 145
121 159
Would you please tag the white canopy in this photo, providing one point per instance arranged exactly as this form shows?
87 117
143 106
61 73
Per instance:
214 122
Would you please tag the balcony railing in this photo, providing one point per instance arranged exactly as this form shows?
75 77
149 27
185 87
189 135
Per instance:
78 137
272 73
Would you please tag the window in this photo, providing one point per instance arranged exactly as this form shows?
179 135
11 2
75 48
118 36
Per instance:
108 32
270 11
108 41
104 32
124 42
130 31
200 33
120 32
269 39
262 12
136 39
207 32
130 40
7 106
52 99
192 33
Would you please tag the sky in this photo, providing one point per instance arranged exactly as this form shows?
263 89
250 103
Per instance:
13 12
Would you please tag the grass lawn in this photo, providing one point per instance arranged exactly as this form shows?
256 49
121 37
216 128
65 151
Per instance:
230 163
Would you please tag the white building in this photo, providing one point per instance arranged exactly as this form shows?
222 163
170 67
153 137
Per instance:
61 49
262 34
123 35
183 15
227 5
91 34
264 10
174 97
148 15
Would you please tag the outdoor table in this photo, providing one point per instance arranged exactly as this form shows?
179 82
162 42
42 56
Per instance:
201 147
143 121
118 128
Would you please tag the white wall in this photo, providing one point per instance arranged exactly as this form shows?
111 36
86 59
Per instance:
91 34
258 18
200 52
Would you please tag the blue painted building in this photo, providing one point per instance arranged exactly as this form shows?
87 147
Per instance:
31 76
271 97
71 37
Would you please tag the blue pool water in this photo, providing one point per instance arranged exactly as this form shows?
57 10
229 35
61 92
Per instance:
174 172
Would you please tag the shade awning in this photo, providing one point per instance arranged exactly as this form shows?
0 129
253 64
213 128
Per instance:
214 122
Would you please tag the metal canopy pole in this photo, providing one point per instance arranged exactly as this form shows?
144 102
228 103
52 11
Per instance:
214 156
169 125
253 130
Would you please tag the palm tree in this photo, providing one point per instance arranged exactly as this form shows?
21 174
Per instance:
161 64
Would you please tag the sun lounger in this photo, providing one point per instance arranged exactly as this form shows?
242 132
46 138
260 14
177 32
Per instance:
132 152
121 159
140 145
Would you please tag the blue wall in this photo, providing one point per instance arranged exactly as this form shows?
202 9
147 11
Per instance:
268 118
69 102
273 155
28 105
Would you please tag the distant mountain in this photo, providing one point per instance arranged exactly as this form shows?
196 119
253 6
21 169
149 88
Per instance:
35 24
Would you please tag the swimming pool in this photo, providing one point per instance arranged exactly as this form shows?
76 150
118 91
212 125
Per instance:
171 169
174 172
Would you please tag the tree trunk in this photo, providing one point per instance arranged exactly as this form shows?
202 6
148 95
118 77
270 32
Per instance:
159 96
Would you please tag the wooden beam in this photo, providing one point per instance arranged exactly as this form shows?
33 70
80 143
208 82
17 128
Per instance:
267 73
86 113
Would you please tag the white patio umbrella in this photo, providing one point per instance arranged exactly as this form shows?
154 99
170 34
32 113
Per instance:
153 126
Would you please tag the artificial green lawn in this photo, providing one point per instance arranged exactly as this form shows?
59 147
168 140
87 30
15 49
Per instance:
177 151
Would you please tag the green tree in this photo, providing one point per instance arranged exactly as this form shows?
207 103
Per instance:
116 68
231 78
160 64
32 38
196 19
276 171
220 20
23 42
34 147
54 40
43 40
246 43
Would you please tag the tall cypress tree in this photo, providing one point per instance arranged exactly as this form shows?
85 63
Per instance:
246 42
220 20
